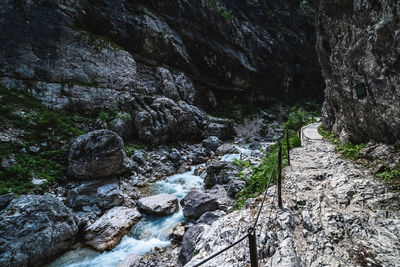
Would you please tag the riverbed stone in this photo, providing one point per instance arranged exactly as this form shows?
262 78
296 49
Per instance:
212 143
103 193
195 203
33 229
162 204
107 231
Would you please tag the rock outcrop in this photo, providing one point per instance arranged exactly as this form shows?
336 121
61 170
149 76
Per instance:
97 154
165 120
107 231
359 50
189 243
162 204
228 46
34 229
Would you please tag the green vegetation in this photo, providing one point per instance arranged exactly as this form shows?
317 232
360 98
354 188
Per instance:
227 15
242 163
99 40
33 125
131 146
391 177
301 114
347 150
109 116
351 151
261 174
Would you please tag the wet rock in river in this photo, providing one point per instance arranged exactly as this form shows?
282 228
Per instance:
162 204
100 193
107 231
195 203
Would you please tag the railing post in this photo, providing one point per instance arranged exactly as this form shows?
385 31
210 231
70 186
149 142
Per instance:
280 175
301 124
253 247
288 146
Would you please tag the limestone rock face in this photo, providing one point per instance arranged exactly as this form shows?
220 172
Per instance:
359 50
96 155
162 204
165 120
33 229
107 231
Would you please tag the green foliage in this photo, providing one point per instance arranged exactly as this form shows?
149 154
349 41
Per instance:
391 177
100 40
109 116
347 150
242 163
227 15
131 146
351 151
40 127
261 175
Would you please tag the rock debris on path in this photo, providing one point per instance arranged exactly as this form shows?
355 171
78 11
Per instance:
335 214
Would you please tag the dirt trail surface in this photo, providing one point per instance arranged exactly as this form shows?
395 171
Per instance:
335 213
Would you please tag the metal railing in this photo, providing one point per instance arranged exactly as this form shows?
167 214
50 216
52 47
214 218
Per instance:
251 231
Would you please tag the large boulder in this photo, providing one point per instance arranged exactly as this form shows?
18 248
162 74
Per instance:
107 231
221 172
361 69
195 203
34 229
96 155
162 204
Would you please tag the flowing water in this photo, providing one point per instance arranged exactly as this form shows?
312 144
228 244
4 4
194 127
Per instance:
148 233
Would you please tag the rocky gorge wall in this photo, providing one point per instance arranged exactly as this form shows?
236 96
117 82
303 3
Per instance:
158 60
358 43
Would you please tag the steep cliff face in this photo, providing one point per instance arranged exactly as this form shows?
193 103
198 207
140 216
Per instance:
158 60
262 48
358 43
